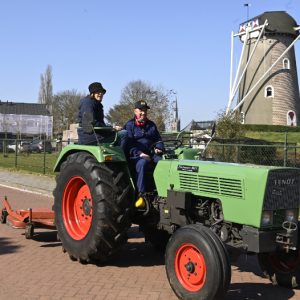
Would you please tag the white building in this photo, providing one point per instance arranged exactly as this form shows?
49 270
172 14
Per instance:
25 120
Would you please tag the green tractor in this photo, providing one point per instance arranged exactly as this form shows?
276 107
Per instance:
195 211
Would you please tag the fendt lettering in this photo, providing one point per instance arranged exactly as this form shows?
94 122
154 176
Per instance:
288 181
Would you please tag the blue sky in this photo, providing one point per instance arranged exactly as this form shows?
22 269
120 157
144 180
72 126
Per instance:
181 45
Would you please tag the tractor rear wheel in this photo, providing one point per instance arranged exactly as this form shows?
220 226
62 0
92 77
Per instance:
194 266
281 268
92 204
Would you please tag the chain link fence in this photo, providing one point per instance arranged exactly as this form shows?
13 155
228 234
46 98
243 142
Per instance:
40 155
245 151
270 155
34 155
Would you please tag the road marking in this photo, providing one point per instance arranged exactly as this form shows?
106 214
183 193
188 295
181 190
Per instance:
27 191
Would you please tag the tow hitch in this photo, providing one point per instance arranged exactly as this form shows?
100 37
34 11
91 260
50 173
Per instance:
287 239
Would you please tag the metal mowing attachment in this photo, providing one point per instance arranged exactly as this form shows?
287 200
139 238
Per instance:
229 187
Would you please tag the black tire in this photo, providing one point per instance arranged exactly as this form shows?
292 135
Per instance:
3 216
106 195
29 231
158 238
193 264
281 268
224 259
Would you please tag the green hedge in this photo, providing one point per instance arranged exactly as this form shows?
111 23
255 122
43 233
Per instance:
271 128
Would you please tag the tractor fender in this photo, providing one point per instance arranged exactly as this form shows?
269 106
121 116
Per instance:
103 153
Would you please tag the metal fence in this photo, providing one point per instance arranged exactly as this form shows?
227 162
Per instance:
37 155
244 151
270 155
16 155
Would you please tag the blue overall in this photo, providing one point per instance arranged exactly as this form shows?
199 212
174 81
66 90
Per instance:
139 140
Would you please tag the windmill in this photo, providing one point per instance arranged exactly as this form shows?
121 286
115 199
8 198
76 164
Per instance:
265 89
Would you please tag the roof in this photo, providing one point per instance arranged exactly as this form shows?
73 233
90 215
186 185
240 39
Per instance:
198 125
278 22
17 108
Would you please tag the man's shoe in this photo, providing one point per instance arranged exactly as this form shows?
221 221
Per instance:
140 202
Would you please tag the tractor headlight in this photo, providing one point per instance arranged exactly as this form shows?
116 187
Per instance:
267 218
291 215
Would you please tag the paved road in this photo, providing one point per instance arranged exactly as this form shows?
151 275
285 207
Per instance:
40 184
37 269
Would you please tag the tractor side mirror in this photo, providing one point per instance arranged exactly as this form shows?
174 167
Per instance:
87 122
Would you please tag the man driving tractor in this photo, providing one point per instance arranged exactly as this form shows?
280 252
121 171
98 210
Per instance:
143 135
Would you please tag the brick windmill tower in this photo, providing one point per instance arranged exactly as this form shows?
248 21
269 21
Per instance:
265 87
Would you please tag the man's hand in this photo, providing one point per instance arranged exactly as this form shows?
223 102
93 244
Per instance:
118 128
145 156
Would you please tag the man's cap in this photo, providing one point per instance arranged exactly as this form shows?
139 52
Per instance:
96 87
141 104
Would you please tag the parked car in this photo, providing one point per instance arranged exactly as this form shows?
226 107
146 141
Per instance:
38 146
24 146
11 147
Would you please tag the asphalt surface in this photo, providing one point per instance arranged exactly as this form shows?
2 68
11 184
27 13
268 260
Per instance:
38 269
28 182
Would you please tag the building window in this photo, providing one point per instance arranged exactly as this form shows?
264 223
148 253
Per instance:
269 92
286 63
291 119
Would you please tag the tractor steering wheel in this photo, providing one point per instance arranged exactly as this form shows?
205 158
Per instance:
170 145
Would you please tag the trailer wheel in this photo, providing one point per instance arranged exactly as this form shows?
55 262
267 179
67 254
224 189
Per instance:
193 264
281 268
29 231
3 216
91 204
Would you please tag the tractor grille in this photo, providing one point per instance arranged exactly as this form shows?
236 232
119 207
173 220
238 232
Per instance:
211 185
283 190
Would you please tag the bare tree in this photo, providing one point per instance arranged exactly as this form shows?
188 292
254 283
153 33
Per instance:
65 109
46 88
156 97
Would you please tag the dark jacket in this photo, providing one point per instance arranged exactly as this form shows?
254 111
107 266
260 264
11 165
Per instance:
95 107
88 104
142 138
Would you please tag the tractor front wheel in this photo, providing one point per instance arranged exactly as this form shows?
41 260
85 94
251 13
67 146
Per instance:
92 204
196 264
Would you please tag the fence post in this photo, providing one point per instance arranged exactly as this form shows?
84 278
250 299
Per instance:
16 153
285 149
223 151
44 144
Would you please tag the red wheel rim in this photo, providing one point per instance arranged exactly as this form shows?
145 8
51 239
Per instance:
285 262
190 267
77 208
